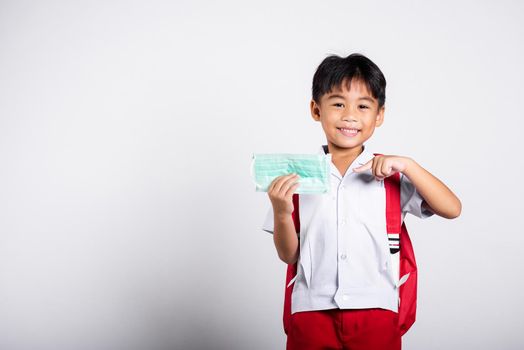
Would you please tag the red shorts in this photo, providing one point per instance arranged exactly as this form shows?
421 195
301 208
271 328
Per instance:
354 329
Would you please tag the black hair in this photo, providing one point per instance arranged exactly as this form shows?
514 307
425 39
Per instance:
334 69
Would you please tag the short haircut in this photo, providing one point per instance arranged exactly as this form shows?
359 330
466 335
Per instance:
334 69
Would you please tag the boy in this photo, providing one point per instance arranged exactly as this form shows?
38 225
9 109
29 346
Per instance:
344 296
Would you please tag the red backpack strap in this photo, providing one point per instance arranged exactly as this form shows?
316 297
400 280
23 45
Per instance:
393 210
399 242
291 269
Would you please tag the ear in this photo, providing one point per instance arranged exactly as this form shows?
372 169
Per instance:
380 116
315 110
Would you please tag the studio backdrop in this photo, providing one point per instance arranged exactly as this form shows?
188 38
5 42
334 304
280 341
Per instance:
128 216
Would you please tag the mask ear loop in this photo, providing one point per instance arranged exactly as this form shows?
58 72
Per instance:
257 186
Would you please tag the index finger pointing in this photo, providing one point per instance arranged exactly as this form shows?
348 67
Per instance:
363 167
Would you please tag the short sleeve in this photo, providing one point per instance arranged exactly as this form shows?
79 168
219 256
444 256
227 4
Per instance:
268 221
411 200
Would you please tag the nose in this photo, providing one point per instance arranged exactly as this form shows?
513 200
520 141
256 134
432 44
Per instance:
349 118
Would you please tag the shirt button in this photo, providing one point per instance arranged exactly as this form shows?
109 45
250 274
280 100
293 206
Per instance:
343 256
342 222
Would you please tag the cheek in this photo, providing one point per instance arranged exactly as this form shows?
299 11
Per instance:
328 124
369 124
325 127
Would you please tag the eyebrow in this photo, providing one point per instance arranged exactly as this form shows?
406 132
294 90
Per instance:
370 99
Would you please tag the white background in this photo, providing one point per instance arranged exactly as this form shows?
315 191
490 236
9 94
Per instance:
128 218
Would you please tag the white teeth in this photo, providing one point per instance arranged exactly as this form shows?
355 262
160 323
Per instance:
355 130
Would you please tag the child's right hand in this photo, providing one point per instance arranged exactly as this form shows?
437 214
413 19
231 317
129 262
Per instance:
280 193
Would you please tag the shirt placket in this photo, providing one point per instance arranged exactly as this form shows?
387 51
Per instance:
342 253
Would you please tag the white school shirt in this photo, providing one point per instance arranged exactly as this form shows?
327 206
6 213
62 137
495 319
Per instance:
344 259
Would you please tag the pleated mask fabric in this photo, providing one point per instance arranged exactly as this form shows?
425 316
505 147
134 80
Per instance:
313 169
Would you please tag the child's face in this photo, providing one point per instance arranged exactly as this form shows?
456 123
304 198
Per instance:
343 108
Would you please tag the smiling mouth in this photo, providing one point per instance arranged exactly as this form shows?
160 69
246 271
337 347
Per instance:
348 132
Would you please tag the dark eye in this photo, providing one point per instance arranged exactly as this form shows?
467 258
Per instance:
337 104
363 106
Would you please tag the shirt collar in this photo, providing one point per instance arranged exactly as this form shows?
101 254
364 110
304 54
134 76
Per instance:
361 159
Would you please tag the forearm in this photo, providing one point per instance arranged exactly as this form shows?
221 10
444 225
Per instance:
285 239
436 194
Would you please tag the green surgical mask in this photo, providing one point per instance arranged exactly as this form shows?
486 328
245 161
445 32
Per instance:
313 169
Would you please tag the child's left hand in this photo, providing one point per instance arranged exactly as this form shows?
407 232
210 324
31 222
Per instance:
383 166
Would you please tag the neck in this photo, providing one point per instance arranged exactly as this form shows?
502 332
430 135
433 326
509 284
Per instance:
344 153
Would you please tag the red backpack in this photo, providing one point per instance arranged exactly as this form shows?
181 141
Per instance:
407 264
